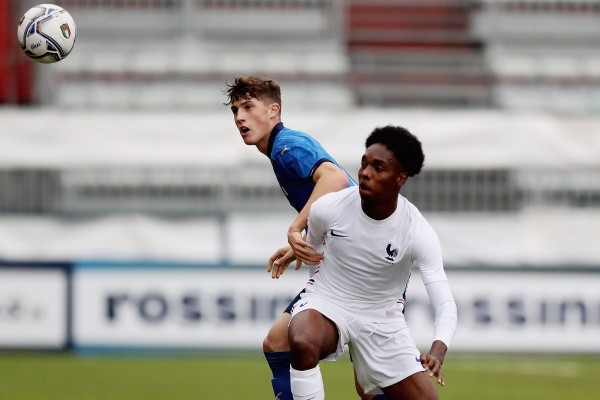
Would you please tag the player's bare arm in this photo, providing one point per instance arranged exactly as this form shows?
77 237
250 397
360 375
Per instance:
328 178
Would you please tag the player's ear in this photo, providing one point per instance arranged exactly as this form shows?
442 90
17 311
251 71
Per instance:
275 109
402 178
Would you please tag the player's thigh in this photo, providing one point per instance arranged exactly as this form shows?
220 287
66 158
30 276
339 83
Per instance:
312 330
277 338
418 386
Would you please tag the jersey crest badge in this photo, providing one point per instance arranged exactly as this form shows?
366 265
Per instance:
391 252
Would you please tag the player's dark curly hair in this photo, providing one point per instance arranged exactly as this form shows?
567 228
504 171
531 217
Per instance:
247 87
406 147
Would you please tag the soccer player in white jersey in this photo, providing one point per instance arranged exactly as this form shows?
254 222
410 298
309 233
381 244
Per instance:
371 237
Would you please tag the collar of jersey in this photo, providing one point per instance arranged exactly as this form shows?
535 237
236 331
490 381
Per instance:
276 129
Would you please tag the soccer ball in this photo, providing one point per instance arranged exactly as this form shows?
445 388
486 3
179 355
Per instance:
47 33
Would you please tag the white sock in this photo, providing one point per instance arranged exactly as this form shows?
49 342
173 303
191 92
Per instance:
307 385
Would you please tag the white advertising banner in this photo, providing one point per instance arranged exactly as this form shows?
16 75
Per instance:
516 311
234 308
33 308
219 308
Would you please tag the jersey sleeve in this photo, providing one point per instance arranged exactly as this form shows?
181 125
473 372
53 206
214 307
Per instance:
299 157
428 258
446 315
317 221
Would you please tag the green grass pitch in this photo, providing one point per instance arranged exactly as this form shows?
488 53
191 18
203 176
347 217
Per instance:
218 376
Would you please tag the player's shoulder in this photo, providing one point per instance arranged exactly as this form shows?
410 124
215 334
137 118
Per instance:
419 225
340 197
409 207
289 136
287 133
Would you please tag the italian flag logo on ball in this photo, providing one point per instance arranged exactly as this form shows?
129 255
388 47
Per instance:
66 31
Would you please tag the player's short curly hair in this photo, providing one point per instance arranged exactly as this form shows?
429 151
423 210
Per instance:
406 147
247 87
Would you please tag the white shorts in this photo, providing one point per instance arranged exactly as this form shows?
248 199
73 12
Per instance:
379 341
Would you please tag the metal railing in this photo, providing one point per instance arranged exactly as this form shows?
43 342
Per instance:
218 191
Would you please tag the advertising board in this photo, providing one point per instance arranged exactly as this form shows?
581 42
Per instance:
33 307
170 307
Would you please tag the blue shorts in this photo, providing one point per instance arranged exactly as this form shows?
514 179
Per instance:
288 309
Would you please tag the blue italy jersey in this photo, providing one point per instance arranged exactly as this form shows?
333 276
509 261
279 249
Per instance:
295 156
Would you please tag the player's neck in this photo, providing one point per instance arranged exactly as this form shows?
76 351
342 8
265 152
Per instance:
378 211
263 144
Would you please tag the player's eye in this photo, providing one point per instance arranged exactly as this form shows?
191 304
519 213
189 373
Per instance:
377 167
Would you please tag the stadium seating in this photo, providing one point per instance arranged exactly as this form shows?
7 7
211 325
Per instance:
543 54
397 56
435 53
198 45
415 53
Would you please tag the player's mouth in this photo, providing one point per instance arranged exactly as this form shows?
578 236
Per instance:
244 129
363 188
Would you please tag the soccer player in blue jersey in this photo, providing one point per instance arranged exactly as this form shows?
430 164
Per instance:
305 172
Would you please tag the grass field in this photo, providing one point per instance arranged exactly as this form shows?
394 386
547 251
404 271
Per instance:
224 376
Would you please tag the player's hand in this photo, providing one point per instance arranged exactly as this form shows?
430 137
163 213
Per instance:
304 251
279 261
433 366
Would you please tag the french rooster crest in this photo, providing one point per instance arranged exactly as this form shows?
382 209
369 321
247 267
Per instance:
392 253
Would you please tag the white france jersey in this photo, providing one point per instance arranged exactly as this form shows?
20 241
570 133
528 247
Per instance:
367 262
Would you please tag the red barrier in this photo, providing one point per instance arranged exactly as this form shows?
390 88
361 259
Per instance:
16 70
5 57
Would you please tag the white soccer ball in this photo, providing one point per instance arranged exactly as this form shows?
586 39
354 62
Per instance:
47 33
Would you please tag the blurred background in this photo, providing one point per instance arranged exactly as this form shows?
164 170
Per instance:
133 216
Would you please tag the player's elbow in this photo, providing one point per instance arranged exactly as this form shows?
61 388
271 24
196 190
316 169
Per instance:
341 180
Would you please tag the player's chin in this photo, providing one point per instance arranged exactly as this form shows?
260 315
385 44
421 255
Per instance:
365 193
248 140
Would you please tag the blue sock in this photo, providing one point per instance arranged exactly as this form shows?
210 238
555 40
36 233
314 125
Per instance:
279 362
380 397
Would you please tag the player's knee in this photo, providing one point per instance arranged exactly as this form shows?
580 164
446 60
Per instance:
269 345
276 341
305 350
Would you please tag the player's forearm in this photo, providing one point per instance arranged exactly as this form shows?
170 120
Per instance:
446 316
300 222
